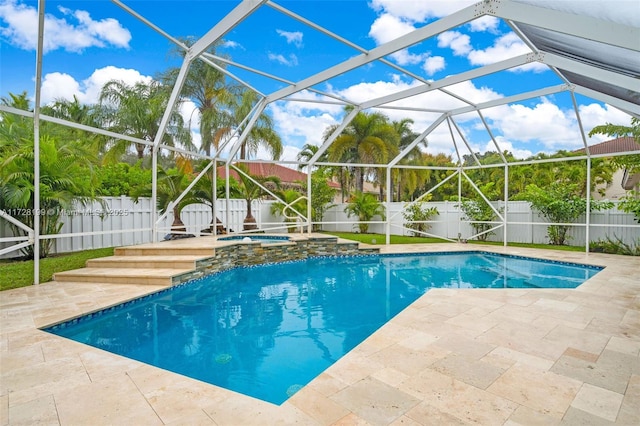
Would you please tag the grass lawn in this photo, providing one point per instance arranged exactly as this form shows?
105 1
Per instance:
381 239
399 239
19 273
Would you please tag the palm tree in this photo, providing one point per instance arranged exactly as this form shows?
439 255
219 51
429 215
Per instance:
306 154
253 188
136 110
365 206
223 107
203 194
262 132
366 139
408 180
74 111
209 89
171 184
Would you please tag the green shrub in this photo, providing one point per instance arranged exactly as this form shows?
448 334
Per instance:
416 214
615 245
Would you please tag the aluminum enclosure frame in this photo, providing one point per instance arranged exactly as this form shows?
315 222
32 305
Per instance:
601 81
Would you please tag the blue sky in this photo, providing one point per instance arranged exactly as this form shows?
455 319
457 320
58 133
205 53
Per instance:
91 42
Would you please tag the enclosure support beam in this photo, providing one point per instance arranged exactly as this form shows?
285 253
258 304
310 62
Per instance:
175 93
506 203
628 107
588 212
388 207
36 147
609 32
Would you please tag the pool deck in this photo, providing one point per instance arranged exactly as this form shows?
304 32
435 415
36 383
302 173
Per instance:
454 357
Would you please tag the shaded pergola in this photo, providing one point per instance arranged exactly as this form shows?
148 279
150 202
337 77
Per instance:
591 56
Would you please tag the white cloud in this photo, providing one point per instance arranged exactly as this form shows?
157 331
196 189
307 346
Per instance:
456 41
433 64
230 44
300 123
544 123
506 145
484 23
63 86
294 37
191 117
388 27
291 61
419 10
594 114
289 153
504 47
73 32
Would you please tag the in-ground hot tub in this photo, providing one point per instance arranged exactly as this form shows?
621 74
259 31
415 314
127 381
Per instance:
264 239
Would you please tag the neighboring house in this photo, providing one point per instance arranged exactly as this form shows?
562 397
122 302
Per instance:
622 181
289 178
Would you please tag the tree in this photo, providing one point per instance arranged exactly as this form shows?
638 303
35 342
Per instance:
171 183
253 188
67 175
435 177
213 95
630 203
290 204
203 194
417 214
136 110
307 152
619 130
262 132
118 179
365 207
560 204
366 139
408 180
321 196
479 212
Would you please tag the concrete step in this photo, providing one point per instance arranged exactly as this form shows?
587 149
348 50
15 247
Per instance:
150 276
156 250
146 262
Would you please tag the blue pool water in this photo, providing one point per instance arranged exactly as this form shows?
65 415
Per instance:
268 330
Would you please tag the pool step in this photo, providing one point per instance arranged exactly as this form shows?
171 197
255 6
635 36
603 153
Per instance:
155 250
178 261
169 263
151 276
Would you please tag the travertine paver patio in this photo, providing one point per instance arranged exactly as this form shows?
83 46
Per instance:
558 356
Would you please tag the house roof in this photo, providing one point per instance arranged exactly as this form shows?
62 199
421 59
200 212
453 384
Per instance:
623 144
285 174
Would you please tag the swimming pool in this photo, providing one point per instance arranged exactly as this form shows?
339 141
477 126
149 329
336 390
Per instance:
268 330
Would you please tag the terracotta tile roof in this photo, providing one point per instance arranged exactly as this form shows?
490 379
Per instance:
623 144
286 174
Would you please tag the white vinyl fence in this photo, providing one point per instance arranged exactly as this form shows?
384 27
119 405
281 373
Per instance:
449 224
125 222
